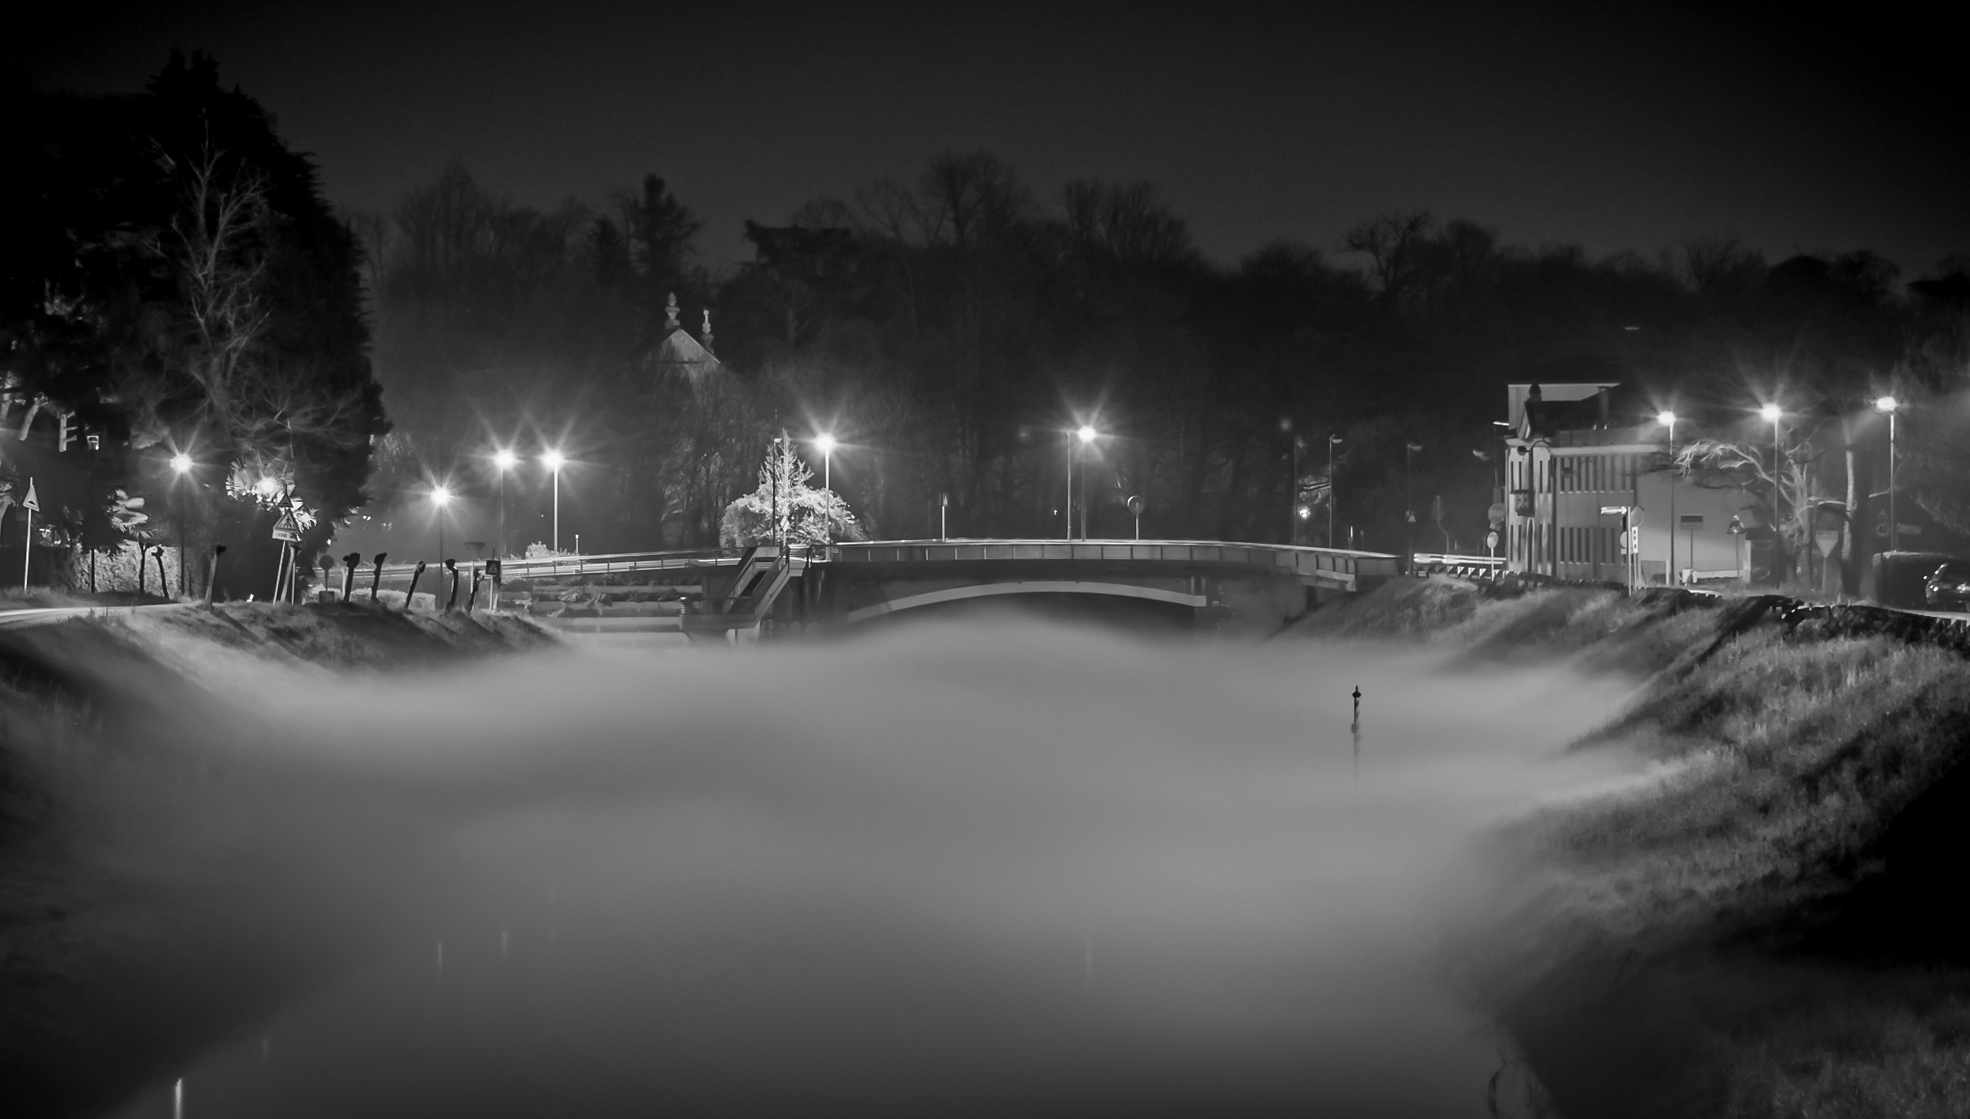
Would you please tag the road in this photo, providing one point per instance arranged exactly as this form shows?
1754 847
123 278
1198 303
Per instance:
38 615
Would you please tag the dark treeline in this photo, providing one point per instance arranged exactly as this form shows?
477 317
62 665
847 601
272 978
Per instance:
172 283
951 328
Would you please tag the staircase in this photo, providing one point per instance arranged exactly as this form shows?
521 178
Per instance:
762 572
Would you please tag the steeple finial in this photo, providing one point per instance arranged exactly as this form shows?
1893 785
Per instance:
705 334
670 313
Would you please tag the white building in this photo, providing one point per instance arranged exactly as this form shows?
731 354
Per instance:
1575 479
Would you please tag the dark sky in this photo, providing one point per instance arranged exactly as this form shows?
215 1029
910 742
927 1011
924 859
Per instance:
1612 126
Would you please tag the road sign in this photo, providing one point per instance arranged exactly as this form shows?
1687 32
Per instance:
1828 539
1496 514
1491 540
287 528
33 500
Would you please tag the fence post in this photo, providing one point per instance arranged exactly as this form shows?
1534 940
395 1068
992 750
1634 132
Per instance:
410 595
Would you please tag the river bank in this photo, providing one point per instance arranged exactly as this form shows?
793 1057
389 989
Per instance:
1766 927
134 925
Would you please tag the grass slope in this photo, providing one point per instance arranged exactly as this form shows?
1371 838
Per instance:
1773 925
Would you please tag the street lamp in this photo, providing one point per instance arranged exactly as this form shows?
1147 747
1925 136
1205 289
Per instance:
1772 414
503 461
1333 491
554 461
441 497
826 444
182 464
1668 419
1083 435
1888 406
1086 435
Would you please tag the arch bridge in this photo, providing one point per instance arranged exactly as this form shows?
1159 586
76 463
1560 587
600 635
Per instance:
767 590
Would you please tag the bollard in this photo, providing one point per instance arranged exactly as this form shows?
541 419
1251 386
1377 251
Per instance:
493 567
451 600
349 564
212 581
377 576
472 599
410 595
327 564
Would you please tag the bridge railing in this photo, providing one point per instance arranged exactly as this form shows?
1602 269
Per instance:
1337 565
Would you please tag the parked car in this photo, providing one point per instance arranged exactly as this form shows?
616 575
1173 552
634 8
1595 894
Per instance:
1948 587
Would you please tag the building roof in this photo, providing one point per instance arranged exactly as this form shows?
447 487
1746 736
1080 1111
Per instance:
681 355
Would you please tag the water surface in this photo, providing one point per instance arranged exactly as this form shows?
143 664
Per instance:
944 870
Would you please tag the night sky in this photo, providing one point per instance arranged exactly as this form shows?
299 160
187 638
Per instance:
1610 126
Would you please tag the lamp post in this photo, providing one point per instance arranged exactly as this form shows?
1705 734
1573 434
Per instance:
1083 436
1408 508
441 498
1668 419
1772 414
1333 490
826 443
503 461
554 460
181 463
1888 406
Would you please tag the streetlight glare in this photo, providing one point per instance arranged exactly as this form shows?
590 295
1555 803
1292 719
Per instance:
1665 418
440 496
1887 404
825 443
505 460
1086 434
268 485
554 460
181 462
1771 412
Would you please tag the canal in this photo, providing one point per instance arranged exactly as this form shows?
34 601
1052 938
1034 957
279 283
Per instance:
995 867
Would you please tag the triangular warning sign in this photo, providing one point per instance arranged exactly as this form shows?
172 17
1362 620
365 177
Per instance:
287 528
33 500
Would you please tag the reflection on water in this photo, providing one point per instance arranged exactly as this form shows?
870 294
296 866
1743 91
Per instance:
991 869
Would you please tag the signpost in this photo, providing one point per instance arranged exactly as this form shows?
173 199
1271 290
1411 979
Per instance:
288 531
32 504
1627 547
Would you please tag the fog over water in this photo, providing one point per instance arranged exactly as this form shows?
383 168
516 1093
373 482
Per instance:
986 868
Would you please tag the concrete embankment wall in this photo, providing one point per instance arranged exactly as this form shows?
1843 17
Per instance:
123 944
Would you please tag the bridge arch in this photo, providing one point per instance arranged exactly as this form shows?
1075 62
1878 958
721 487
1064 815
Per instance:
1024 587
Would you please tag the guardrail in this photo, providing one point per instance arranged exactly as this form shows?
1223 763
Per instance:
1332 565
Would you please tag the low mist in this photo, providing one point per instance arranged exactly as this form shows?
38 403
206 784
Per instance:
1003 866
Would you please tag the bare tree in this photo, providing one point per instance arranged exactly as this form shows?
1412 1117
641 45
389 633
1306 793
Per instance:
222 264
254 405
1393 243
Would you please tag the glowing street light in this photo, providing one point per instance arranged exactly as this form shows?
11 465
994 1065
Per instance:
503 461
441 498
1085 434
1772 414
1668 419
268 485
1888 406
826 444
554 460
182 464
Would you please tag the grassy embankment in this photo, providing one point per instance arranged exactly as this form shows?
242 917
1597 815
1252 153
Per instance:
140 913
1771 926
